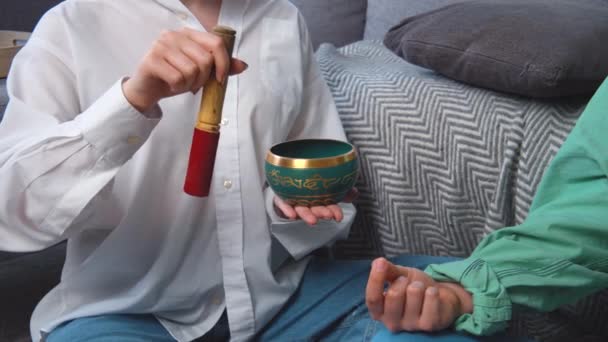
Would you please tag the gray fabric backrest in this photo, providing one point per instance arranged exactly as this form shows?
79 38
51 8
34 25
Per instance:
339 22
22 15
334 21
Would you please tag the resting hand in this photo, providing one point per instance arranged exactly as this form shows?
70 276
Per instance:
413 301
313 214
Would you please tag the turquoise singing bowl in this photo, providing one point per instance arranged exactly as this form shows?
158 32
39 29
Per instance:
312 172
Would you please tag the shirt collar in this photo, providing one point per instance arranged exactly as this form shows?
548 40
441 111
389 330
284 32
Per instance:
230 14
175 6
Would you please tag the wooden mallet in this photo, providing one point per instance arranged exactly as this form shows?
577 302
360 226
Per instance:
207 129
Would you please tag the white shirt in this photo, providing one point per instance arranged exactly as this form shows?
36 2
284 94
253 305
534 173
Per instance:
77 161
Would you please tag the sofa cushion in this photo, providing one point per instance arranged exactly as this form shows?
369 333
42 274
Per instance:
538 48
383 14
333 21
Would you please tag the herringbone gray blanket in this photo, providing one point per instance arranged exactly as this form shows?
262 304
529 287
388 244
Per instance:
444 163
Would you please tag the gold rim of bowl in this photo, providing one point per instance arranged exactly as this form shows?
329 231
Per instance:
311 163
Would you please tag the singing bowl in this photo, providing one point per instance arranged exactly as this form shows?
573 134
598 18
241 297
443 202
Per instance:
311 172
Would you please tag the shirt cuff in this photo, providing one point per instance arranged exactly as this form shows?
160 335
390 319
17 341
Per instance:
491 303
298 238
114 127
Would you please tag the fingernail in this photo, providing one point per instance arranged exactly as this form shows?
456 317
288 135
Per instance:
432 290
417 285
246 65
402 279
380 265
220 79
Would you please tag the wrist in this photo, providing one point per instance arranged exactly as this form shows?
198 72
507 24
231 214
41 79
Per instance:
140 100
465 299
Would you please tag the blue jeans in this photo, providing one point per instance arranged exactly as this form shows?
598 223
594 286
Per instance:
329 306
126 328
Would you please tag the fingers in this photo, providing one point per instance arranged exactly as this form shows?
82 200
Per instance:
196 54
411 302
309 215
185 56
336 212
189 70
382 271
215 46
330 212
201 59
166 72
394 303
413 307
287 210
374 291
179 61
322 212
306 215
431 314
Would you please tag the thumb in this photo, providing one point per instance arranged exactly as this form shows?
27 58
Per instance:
388 270
237 66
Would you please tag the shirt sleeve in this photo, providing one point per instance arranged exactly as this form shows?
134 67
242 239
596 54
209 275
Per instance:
318 118
558 255
54 156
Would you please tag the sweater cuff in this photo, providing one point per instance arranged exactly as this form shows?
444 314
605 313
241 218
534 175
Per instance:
491 303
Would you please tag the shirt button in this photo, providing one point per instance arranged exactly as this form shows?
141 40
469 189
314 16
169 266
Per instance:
182 16
133 140
224 122
217 300
227 184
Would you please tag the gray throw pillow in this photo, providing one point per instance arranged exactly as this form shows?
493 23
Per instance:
537 48
383 14
339 22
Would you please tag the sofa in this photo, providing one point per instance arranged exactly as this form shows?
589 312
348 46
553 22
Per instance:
442 163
